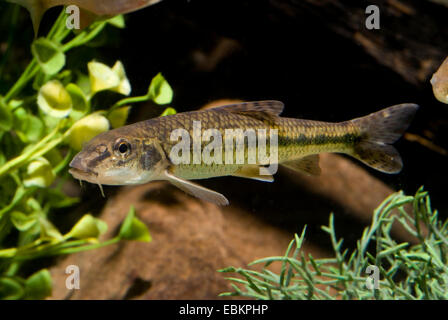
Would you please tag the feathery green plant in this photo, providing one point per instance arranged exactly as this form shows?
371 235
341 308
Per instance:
406 270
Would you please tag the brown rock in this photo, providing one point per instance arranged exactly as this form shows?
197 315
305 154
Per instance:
191 241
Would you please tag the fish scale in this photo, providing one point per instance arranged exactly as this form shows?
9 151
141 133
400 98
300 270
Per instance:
296 138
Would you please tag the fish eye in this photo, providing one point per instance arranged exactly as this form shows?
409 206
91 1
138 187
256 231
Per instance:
122 147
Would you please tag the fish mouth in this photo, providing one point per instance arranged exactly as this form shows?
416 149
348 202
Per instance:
80 172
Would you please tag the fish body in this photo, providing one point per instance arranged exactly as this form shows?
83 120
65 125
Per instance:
144 151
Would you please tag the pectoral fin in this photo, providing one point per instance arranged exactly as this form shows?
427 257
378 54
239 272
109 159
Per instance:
252 171
309 165
196 190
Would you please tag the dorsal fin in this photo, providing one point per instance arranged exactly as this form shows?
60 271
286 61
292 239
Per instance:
269 109
309 164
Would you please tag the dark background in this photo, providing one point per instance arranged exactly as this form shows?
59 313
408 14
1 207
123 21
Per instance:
293 51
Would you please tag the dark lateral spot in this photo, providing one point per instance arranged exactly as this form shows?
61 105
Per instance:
138 287
149 157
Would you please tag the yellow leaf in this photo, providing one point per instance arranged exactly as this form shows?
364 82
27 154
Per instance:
118 117
54 100
85 129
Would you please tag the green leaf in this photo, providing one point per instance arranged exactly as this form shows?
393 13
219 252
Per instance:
33 204
28 127
117 21
29 235
23 221
2 158
160 91
118 117
87 227
85 129
31 130
11 144
49 55
80 105
54 157
168 112
102 77
83 82
38 285
14 103
40 79
54 100
65 76
35 129
5 117
10 289
124 86
50 121
7 253
48 231
134 229
57 199
39 173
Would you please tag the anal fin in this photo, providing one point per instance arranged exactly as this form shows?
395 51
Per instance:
252 171
308 164
196 190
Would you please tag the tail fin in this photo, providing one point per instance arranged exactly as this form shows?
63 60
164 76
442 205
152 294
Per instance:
378 131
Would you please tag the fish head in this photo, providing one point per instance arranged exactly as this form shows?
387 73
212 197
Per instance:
117 158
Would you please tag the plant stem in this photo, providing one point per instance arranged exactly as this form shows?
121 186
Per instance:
26 76
89 247
23 158
84 37
127 101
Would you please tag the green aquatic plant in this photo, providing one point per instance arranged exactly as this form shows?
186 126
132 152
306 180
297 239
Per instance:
416 270
45 117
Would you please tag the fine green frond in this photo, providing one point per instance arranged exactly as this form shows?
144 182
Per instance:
392 270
